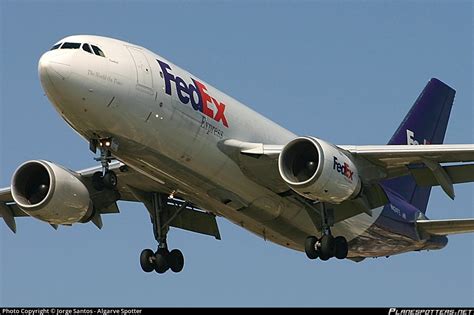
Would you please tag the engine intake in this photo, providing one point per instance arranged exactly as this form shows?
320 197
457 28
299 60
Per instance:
50 193
318 170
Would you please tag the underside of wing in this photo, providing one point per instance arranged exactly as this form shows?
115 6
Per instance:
424 162
457 173
132 186
395 156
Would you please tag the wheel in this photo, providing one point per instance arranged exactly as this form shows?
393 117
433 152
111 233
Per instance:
146 261
341 247
97 181
310 247
161 260
176 260
327 247
110 180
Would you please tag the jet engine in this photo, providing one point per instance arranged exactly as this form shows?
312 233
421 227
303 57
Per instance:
319 170
51 193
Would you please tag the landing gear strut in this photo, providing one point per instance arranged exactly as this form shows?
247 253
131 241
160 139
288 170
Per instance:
162 259
106 178
327 246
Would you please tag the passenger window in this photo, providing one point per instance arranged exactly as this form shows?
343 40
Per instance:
87 48
71 46
97 51
56 46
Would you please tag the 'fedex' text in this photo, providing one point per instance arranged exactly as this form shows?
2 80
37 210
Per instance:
195 93
342 169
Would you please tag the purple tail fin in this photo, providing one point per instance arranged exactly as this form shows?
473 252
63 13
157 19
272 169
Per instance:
425 123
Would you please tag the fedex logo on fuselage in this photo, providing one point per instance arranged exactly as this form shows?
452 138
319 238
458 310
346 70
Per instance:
342 169
195 93
411 138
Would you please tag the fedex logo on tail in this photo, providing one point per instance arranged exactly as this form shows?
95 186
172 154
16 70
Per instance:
342 169
411 138
195 93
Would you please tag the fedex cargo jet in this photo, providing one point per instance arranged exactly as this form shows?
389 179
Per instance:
189 153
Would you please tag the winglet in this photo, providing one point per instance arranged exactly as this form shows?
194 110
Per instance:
8 217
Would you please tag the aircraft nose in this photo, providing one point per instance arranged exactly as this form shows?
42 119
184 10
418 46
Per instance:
53 67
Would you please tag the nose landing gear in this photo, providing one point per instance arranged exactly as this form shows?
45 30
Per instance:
106 178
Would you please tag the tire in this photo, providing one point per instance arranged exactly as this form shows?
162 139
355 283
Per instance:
98 181
161 260
110 180
342 248
327 247
145 262
323 257
310 247
176 260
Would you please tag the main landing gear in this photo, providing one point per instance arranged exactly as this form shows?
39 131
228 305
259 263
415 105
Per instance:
162 259
106 178
327 246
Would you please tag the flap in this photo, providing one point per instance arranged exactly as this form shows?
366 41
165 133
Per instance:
196 221
457 173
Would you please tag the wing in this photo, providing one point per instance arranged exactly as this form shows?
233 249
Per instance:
399 160
445 227
259 161
132 186
394 157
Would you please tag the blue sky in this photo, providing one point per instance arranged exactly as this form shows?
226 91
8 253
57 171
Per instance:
343 71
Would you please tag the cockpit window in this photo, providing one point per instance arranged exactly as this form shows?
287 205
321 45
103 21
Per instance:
87 48
71 46
98 51
56 46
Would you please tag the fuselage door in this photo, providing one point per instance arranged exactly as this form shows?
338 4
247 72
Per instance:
144 77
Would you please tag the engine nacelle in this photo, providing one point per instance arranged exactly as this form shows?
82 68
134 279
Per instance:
318 170
50 193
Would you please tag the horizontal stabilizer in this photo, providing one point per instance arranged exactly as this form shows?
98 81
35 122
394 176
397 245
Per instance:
445 227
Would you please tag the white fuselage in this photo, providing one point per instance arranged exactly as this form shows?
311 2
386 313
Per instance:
124 95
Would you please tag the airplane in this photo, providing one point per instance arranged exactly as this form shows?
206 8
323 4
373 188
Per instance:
191 153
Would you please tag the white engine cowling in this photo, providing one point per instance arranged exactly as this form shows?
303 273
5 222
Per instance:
318 170
51 193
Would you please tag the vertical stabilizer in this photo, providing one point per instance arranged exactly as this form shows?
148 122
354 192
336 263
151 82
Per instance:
424 124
